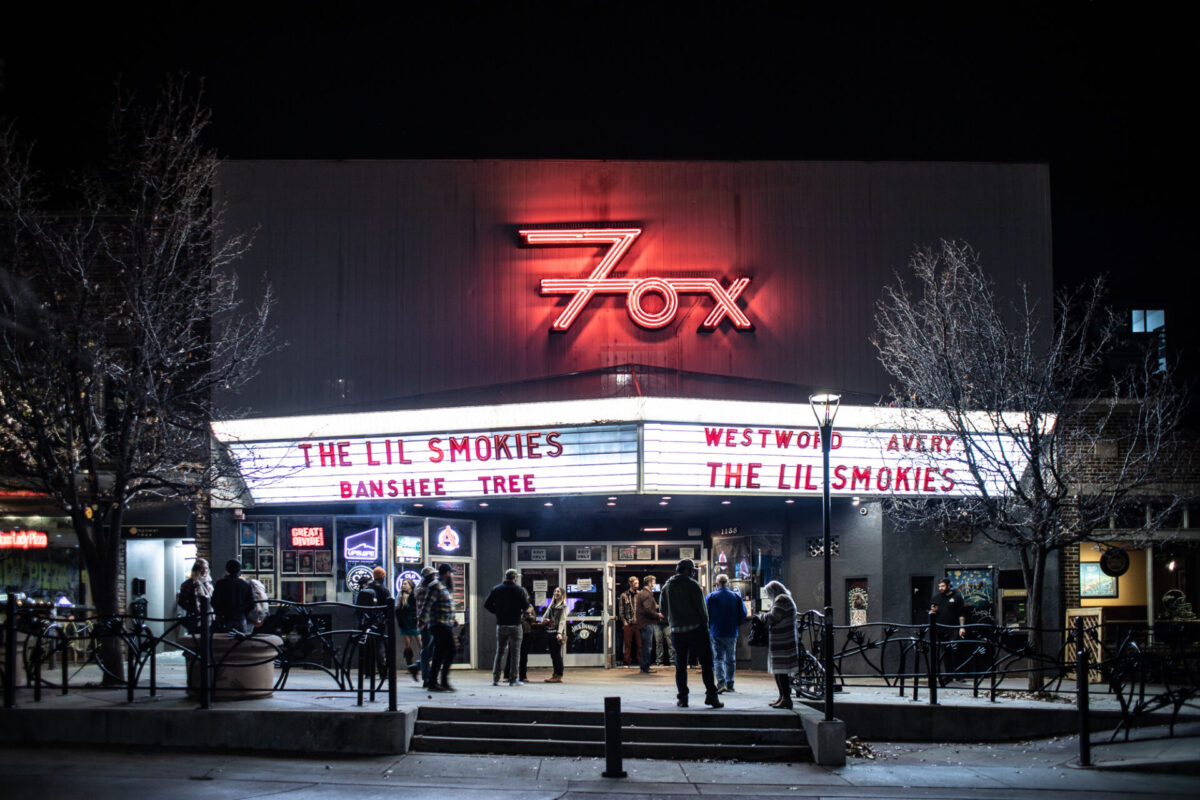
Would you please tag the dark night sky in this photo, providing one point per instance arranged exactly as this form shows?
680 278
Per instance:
1098 90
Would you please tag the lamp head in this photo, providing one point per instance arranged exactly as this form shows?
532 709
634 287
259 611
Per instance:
825 407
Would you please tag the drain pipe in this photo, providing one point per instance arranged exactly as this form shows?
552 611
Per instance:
612 738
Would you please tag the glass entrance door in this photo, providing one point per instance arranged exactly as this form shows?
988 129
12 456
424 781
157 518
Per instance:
463 592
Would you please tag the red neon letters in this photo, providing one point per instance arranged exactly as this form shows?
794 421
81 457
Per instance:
633 288
308 537
24 540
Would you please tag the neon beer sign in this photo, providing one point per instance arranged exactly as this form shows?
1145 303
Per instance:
308 537
634 289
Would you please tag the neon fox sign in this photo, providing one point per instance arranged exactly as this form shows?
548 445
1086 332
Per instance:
634 289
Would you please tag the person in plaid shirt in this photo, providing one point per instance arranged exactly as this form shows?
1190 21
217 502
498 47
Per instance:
437 612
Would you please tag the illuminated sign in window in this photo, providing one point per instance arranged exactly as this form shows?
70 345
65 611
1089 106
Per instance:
634 289
24 540
408 550
363 546
308 537
448 539
355 575
407 575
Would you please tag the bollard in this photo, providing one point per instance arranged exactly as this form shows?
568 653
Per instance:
130 666
10 653
205 654
390 649
1081 695
63 646
362 655
933 659
153 663
612 738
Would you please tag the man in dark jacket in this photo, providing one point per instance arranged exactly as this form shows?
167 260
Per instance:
682 603
508 602
231 600
950 615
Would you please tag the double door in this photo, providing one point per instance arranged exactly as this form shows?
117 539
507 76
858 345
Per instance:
585 588
617 575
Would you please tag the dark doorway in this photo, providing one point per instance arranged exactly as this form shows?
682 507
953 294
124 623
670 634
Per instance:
922 595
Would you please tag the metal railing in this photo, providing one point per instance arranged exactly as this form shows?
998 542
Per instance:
44 652
1153 672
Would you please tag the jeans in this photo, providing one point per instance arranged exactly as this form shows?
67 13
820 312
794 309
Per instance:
508 650
693 643
556 659
662 645
648 645
724 659
443 653
426 653
632 636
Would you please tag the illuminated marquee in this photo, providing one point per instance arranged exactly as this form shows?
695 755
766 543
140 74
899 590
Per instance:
24 540
781 460
449 465
634 289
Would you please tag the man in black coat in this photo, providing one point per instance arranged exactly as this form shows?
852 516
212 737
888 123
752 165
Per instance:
508 602
949 612
232 599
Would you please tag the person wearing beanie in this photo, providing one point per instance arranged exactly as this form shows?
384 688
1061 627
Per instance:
232 599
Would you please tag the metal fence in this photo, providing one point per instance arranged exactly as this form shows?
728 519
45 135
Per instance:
353 646
1150 670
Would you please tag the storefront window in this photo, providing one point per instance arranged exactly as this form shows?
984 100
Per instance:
539 552
583 552
452 537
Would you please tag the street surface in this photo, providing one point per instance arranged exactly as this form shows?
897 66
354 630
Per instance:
979 772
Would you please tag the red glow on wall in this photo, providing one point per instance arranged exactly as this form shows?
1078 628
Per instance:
24 540
308 537
634 289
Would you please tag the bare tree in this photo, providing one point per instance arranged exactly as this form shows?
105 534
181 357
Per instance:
120 321
1078 440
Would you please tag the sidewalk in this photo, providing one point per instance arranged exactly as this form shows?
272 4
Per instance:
586 689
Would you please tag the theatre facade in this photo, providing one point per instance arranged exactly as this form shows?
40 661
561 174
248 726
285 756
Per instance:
588 370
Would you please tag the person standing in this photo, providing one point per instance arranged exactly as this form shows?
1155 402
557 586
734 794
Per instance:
949 612
556 630
198 585
426 659
627 611
508 602
682 603
660 633
726 612
783 643
231 601
646 618
437 611
406 625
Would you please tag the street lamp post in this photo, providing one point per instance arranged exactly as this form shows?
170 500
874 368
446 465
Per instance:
825 407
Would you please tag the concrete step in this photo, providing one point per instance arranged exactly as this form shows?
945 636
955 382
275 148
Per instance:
697 715
698 734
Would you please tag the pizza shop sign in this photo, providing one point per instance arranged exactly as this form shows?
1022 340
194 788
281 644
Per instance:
24 540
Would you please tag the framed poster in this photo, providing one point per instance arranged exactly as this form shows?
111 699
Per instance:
978 589
289 561
268 582
857 599
322 562
266 559
249 559
306 563
1094 583
249 538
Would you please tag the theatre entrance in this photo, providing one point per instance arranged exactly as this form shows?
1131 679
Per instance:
591 576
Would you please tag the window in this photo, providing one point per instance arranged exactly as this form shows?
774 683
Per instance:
1153 321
